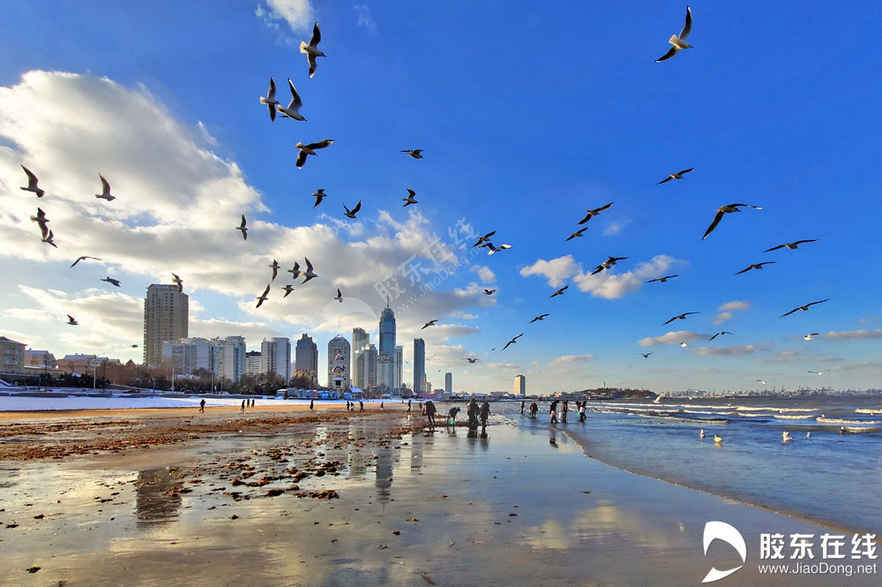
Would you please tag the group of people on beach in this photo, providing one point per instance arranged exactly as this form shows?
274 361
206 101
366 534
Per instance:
478 416
558 410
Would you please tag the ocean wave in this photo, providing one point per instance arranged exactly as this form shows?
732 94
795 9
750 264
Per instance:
792 417
868 411
846 421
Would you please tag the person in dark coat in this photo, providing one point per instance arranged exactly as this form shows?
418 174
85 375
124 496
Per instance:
243 406
311 404
522 407
430 413
485 414
202 406
534 409
360 406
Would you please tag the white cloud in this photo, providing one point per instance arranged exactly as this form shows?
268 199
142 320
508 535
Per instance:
485 274
570 360
727 310
205 134
612 286
299 14
555 270
673 337
725 351
853 334
364 18
615 227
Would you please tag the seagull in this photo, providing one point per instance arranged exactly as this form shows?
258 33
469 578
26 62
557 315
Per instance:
292 110
178 281
49 238
309 274
489 292
678 42
41 220
111 281
680 317
295 271
805 307
32 183
559 292
808 435
512 341
607 264
429 323
309 149
492 249
792 246
727 209
288 289
662 279
270 99
540 317
311 50
263 297
577 234
339 296
684 344
243 228
718 439
594 212
754 266
646 355
471 360
720 333
816 372
701 433
483 239
351 213
409 199
762 381
415 153
319 195
677 175
134 346
785 436
105 190
71 321
275 267
83 258
811 336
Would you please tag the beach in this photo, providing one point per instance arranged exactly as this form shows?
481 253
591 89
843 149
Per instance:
353 498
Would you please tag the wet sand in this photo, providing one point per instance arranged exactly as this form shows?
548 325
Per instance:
407 508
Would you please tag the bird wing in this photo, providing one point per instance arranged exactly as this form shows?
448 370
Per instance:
105 185
339 294
571 237
654 280
243 223
687 26
410 192
357 207
688 314
671 52
488 235
602 208
745 270
774 249
310 58
320 144
666 180
308 265
301 159
272 111
714 336
271 93
598 269
77 261
671 320
71 318
766 263
265 291
713 224
686 171
818 302
296 102
808 240
587 218
317 36
32 179
790 312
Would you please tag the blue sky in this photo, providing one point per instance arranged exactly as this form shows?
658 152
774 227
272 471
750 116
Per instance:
528 114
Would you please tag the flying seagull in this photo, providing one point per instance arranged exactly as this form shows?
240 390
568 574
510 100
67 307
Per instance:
727 209
471 360
409 199
319 195
482 240
662 279
263 297
49 238
490 292
559 292
288 289
111 281
540 317
242 226
311 50
816 372
684 344
339 296
594 212
178 281
292 110
576 234
32 183
805 307
71 321
105 190
429 323
351 213
493 249
754 266
680 317
295 271
677 175
811 336
762 381
646 355
310 149
720 333
678 42
512 341
83 258
134 346
270 99
41 221
275 267
792 246
415 153
309 274
607 264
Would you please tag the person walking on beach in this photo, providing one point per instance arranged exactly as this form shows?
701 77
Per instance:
563 411
360 406
381 405
473 411
554 412
408 406
430 414
581 411
534 409
485 414
311 404
522 407
243 406
202 406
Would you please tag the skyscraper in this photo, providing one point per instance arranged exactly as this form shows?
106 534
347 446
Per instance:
253 360
232 357
338 364
360 339
399 366
306 358
520 385
275 357
190 355
386 356
448 382
166 318
419 365
366 368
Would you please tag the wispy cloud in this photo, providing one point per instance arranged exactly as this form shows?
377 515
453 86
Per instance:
725 351
615 227
727 310
298 14
555 270
484 273
853 334
673 337
570 360
364 18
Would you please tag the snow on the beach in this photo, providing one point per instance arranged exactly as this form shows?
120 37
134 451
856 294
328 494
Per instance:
18 403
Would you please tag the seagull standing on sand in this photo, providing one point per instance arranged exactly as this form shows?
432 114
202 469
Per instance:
178 281
607 264
589 213
292 110
489 292
288 289
662 279
415 153
811 336
720 333
311 50
727 209
755 266
512 341
83 258
429 323
540 317
244 228
270 99
792 246
263 297
306 150
351 213
409 199
577 234
678 42
105 190
111 281
805 307
319 195
680 317
677 175
32 183
483 239
71 321
309 274
339 296
559 292
275 267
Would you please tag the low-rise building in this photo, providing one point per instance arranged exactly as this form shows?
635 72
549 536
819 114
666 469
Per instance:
12 355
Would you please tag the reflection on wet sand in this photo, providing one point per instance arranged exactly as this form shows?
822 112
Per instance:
158 497
384 474
416 452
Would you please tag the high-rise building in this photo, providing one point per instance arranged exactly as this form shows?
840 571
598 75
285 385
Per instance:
12 355
190 355
419 365
386 355
166 318
275 357
339 364
520 385
231 357
253 361
306 358
360 339
399 367
448 382
366 368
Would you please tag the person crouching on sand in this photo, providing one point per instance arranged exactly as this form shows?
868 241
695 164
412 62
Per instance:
430 413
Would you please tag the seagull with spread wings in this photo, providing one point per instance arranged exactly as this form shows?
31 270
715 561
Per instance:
287 289
270 99
275 267
309 273
755 266
49 239
472 360
409 199
559 292
576 234
492 249
339 296
105 190
678 42
792 246
591 212
811 336
83 258
680 317
415 153
489 292
263 297
71 321
32 183
310 149
662 279
512 341
243 228
351 213
805 307
111 281
539 317
646 355
723 210
311 50
295 271
429 323
677 175
319 195
720 333
482 240
178 281
292 110
610 261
